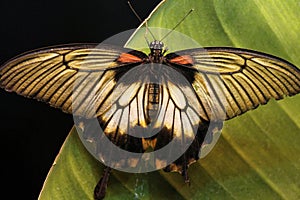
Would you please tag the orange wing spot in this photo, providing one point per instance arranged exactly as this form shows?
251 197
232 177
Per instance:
183 60
128 58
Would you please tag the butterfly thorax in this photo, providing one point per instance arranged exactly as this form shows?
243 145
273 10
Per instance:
157 52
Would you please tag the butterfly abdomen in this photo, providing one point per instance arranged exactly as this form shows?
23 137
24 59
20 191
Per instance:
153 100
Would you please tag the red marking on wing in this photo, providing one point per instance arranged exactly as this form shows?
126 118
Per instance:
183 60
128 58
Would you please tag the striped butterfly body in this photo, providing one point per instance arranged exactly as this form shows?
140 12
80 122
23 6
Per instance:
153 99
178 94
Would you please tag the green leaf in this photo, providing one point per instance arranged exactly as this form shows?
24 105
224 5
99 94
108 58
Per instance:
257 155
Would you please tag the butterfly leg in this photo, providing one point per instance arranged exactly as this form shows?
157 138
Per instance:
185 173
100 189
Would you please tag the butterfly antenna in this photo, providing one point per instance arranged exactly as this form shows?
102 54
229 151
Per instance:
178 24
140 19
134 12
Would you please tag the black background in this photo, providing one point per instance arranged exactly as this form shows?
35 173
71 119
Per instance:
33 132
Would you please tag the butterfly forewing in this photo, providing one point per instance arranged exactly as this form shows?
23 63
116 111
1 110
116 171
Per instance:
243 79
49 74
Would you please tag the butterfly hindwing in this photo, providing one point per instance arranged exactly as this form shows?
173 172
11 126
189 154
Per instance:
157 107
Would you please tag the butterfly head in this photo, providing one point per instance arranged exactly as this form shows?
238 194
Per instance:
156 45
157 51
